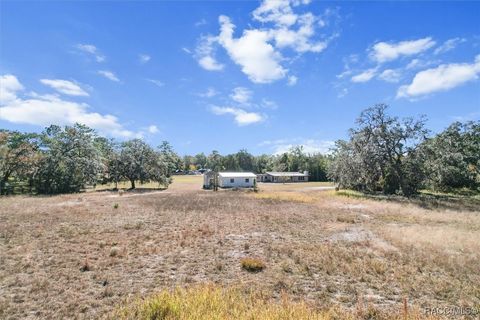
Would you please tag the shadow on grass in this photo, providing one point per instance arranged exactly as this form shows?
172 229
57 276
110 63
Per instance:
425 199
130 191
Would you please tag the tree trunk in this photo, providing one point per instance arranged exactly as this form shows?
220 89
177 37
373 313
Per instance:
133 184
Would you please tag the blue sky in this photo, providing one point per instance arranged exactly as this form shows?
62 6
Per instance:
210 75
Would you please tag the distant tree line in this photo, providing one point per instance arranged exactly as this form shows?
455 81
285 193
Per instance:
392 155
296 159
69 159
383 154
65 160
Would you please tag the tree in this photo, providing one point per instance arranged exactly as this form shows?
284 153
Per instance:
379 153
215 161
200 160
70 159
245 160
138 161
262 163
169 157
18 156
452 158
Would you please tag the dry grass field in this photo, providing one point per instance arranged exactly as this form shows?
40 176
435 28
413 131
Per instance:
85 256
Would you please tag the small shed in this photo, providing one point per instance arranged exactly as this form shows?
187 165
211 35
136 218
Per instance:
208 179
236 179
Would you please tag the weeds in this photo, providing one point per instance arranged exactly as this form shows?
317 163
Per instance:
252 264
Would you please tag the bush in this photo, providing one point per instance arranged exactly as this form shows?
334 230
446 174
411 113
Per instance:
252 264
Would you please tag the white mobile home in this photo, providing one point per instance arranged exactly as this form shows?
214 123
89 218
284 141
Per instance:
236 179
283 177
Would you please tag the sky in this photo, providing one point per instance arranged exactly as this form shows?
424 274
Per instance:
229 75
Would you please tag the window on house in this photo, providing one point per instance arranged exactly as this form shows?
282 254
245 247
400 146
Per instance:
232 180
301 178
247 180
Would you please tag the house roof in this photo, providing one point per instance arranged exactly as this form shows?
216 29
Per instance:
287 174
237 175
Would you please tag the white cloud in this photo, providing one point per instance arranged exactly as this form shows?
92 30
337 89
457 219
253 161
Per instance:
144 58
300 39
384 51
441 78
201 22
365 76
277 11
153 129
44 110
310 146
241 95
390 75
9 86
158 83
258 59
205 54
65 87
258 50
91 49
209 93
269 104
242 117
292 80
209 63
448 45
109 75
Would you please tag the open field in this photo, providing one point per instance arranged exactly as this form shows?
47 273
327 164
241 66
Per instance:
81 255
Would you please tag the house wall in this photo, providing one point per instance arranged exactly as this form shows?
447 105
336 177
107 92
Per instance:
237 183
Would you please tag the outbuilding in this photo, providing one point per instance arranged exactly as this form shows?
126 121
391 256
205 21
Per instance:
236 179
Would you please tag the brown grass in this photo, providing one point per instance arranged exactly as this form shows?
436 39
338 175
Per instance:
328 252
252 264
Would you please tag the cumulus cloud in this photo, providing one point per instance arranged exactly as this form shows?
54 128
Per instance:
241 95
92 50
65 87
365 76
441 78
9 86
257 58
390 75
384 51
448 45
109 75
205 54
44 110
258 50
242 117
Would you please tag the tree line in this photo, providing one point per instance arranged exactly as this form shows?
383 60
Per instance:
66 160
69 159
295 160
383 154
391 155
